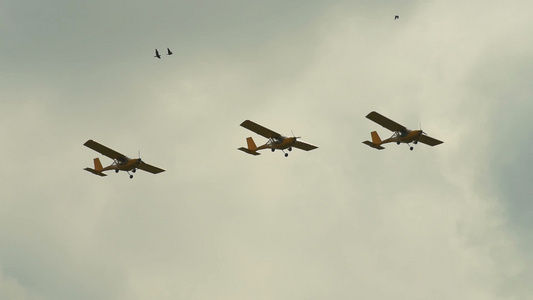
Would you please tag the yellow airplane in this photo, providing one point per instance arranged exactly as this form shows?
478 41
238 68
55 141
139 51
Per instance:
275 140
120 161
400 135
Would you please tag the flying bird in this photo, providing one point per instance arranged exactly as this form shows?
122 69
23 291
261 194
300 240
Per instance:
169 52
157 54
396 17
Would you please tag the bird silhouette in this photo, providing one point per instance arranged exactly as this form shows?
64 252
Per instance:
157 54
169 52
396 17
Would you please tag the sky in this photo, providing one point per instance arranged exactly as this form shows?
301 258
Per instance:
344 221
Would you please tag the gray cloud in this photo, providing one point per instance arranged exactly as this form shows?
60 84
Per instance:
342 222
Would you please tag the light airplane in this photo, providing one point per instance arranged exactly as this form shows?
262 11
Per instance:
120 161
157 54
169 52
275 140
401 134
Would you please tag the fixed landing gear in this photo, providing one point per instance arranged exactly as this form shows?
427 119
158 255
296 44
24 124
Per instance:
133 170
397 143
416 142
116 170
411 148
283 150
131 176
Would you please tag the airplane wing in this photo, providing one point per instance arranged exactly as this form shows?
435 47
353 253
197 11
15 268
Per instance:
269 134
304 146
149 168
104 150
429 140
385 122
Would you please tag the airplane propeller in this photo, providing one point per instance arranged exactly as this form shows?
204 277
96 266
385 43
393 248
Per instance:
420 126
294 136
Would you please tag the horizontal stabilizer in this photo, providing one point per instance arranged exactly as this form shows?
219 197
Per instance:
369 143
249 151
95 172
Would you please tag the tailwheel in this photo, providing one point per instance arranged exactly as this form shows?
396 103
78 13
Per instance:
286 154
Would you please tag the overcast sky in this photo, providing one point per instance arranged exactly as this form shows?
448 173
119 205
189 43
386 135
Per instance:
344 221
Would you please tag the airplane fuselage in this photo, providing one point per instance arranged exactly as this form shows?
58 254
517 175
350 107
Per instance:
406 136
128 165
283 143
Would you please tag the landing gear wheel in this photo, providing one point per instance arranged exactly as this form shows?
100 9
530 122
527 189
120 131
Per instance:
134 170
411 148
416 142
273 149
397 143
131 176
116 170
290 149
286 154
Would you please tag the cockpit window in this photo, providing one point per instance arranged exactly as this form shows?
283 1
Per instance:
278 140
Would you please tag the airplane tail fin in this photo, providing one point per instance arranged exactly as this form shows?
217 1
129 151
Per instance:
98 165
97 168
251 144
375 137
376 141
252 148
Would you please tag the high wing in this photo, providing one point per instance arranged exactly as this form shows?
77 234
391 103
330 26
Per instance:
149 168
304 146
385 122
104 150
269 134
429 140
